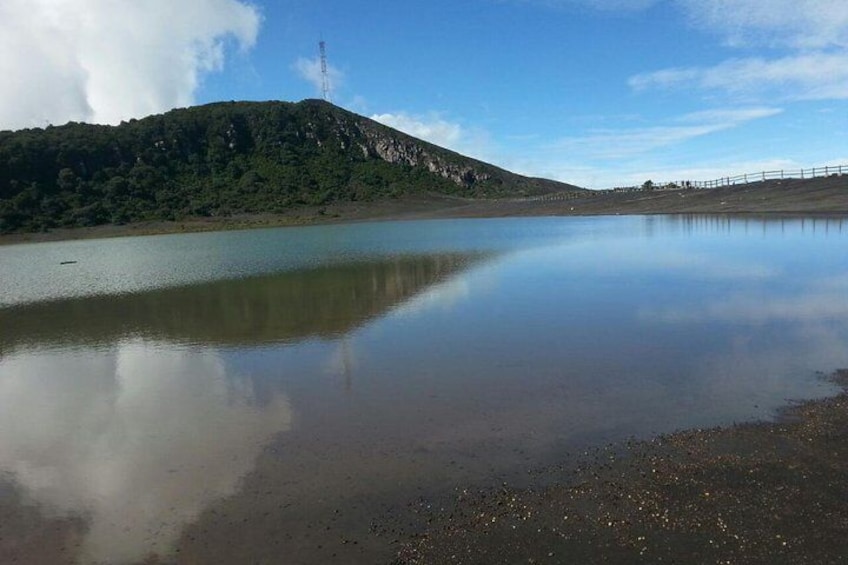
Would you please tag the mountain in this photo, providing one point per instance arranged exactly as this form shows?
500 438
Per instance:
228 158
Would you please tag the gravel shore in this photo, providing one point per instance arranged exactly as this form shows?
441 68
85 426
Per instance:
750 493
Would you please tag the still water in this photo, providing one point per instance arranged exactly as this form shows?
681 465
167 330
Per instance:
275 396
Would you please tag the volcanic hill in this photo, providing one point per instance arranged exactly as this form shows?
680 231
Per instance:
225 159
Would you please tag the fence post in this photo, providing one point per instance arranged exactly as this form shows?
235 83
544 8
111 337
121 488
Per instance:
825 171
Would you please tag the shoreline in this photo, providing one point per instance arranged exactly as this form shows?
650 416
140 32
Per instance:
335 213
825 197
759 492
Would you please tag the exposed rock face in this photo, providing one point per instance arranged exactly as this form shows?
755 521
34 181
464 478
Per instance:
377 141
412 153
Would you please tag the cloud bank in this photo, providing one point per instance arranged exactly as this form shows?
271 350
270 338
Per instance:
103 61
810 35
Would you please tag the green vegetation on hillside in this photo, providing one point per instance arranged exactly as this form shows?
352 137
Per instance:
224 159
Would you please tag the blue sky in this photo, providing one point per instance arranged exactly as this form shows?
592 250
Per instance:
594 92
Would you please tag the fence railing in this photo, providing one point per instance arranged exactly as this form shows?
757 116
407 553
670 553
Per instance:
827 171
550 197
830 170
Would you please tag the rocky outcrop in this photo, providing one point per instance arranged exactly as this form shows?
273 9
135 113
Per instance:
405 152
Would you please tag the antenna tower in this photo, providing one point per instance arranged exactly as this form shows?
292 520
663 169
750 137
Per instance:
325 79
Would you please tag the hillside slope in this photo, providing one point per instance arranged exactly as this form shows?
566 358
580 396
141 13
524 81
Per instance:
228 158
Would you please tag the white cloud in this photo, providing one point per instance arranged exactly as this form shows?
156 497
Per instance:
310 71
813 76
430 128
801 24
603 5
729 117
625 143
813 35
103 61
794 23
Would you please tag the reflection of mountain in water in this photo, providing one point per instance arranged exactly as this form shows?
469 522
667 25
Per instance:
321 302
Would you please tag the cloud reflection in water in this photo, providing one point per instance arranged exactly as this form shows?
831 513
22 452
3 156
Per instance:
820 301
138 440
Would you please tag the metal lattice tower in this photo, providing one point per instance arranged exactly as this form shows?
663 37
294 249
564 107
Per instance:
325 78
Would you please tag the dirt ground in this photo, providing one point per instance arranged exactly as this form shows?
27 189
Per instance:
826 195
821 196
752 493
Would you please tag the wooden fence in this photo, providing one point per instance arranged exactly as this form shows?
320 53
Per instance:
758 177
551 197
828 171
